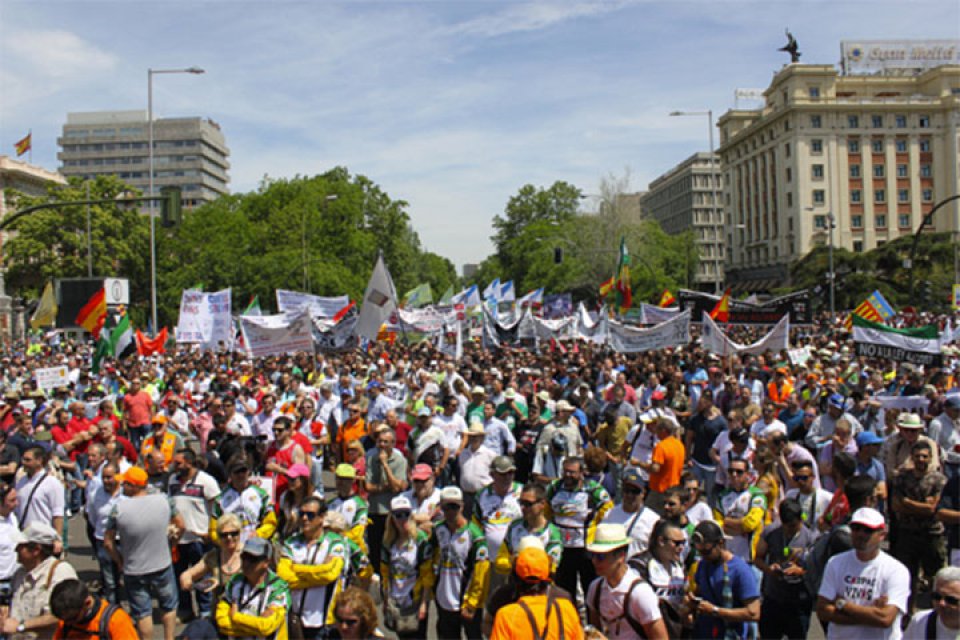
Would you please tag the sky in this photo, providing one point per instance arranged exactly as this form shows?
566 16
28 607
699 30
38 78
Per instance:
451 106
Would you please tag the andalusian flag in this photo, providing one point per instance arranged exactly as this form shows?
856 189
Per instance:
418 296
447 298
24 145
93 314
121 337
666 299
624 292
721 312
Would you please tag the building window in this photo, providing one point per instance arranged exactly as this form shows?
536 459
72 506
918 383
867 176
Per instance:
856 196
817 171
880 221
903 195
900 145
853 122
876 122
926 171
924 122
789 174
786 150
820 222
856 221
815 122
877 145
903 220
814 92
878 171
789 199
925 145
900 122
816 145
928 195
858 246
853 146
819 196
901 171
879 196
854 171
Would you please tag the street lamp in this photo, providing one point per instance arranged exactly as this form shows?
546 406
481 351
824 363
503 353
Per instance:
717 225
153 218
831 275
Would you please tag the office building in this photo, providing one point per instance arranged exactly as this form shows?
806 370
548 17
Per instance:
875 153
190 153
687 198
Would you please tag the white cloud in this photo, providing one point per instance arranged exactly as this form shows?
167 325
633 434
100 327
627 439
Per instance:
533 16
57 54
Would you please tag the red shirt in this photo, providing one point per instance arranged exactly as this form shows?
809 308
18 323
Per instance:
138 408
403 434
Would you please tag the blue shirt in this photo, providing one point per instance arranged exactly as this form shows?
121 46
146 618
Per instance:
710 583
791 420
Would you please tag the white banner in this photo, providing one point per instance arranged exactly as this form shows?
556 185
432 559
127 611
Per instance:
590 329
652 314
319 306
671 333
544 329
428 320
51 378
869 56
339 337
205 319
715 341
277 335
801 355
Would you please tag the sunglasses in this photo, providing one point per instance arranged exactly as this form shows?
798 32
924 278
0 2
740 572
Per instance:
676 543
737 472
451 506
632 490
279 430
401 515
229 534
246 557
241 470
599 556
950 600
309 515
347 622
527 503
862 528
801 478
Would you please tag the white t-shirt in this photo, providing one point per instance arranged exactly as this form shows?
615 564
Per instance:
644 606
638 524
453 428
48 501
8 550
917 629
863 583
699 512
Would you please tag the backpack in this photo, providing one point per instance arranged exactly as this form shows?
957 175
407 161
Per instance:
634 624
815 560
103 628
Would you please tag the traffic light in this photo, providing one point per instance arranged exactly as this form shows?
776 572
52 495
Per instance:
171 210
557 255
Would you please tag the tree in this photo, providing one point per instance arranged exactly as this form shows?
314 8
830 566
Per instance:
52 243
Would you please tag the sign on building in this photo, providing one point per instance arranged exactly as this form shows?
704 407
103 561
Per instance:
871 56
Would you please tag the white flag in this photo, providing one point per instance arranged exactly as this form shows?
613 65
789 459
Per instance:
492 290
379 302
507 292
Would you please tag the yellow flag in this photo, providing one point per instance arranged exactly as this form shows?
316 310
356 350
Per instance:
46 313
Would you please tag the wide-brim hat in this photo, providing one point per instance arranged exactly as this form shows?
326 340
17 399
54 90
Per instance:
609 537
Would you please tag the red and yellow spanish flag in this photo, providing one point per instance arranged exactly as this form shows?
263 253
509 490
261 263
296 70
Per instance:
666 299
24 145
93 313
721 312
607 286
864 310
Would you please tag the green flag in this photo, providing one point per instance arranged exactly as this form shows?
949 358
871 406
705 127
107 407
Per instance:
447 297
121 337
418 296
253 309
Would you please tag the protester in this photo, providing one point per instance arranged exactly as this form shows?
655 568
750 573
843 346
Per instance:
212 573
404 570
637 518
256 601
82 616
943 621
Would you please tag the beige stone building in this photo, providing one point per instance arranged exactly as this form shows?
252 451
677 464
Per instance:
190 153
876 152
685 197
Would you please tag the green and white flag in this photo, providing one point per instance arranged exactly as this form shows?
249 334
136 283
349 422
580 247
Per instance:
447 298
253 309
916 346
418 296
121 338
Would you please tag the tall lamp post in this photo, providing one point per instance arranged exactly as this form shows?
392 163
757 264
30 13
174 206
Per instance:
717 224
831 273
153 217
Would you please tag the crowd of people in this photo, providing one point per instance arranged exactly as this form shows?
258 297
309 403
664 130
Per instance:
521 493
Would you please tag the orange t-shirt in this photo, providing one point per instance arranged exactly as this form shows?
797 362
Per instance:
352 430
120 627
669 454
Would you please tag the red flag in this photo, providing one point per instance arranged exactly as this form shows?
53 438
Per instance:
343 312
24 145
93 314
148 346
666 299
721 312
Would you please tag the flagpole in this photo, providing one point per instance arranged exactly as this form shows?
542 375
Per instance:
30 137
396 303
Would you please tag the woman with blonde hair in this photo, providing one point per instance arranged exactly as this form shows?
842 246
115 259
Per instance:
217 565
403 567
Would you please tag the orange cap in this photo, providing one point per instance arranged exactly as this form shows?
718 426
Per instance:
533 565
158 419
135 476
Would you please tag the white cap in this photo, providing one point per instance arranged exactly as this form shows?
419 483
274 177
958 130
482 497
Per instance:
530 542
870 518
399 503
451 494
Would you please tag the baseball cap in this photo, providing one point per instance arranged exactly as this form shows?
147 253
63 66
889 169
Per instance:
159 420
632 476
36 533
563 405
373 385
424 412
530 542
533 565
953 402
609 537
870 518
451 494
657 395
509 394
866 438
400 503
345 470
475 428
298 470
136 476
257 547
835 401
421 472
707 532
740 434
478 390
503 464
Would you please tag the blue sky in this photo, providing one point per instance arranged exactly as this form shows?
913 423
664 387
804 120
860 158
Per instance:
451 106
